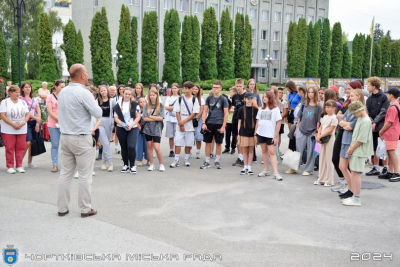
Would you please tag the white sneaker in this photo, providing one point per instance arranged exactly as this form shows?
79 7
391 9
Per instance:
76 176
187 163
151 168
103 166
93 173
139 163
20 170
125 169
162 168
174 164
32 166
264 173
198 155
133 170
278 177
11 171
110 168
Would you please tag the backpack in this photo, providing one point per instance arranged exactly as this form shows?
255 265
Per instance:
398 114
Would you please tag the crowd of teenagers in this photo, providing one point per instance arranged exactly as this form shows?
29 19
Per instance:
346 129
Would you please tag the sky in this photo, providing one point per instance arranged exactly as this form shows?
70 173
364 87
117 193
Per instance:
356 15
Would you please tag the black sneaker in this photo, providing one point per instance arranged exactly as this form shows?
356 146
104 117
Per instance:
387 175
205 165
373 172
241 163
217 165
226 151
125 169
212 155
237 162
233 151
395 178
255 159
171 154
384 170
346 194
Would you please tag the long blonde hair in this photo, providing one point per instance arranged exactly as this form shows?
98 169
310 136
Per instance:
157 104
100 97
255 85
360 95
141 92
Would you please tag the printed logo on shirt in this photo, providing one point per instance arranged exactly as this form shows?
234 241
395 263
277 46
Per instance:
17 113
266 115
309 114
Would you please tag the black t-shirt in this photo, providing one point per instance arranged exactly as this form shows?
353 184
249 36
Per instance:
106 108
249 121
237 102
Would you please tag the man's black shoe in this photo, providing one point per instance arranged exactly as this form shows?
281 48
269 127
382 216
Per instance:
226 151
384 170
387 175
237 162
233 151
171 154
395 178
373 172
255 159
346 194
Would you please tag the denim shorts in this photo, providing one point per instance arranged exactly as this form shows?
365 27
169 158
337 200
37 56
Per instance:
197 135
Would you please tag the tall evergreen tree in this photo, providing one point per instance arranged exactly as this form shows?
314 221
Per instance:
367 56
358 56
124 47
188 73
309 59
386 56
79 48
316 44
377 65
225 54
325 55
70 43
47 61
395 58
238 57
346 62
172 45
301 48
247 48
336 51
195 48
149 72
209 45
134 42
291 51
100 49
3 57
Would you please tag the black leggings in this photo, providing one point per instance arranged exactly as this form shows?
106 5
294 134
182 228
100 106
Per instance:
228 134
127 140
336 152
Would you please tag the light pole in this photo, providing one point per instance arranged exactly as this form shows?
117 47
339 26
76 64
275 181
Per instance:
387 69
268 61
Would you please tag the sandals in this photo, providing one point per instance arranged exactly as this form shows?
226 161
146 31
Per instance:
54 169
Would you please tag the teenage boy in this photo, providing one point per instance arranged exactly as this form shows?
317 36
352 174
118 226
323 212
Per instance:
237 102
390 133
186 108
230 146
215 116
377 105
360 148
283 107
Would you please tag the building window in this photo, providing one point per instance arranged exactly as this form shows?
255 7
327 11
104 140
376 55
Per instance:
277 16
240 10
252 53
134 2
152 3
285 75
299 16
253 34
184 5
288 17
168 4
275 54
229 9
265 15
321 18
95 3
310 19
264 35
253 14
263 53
277 36
180 28
274 73
262 73
199 7
285 55
215 6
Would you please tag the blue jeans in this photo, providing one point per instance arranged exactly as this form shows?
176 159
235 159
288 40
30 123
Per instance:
55 142
141 147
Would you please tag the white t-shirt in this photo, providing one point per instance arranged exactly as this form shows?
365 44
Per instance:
127 114
184 111
203 102
14 112
267 119
170 115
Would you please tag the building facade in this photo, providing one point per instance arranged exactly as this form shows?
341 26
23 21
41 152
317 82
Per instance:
269 20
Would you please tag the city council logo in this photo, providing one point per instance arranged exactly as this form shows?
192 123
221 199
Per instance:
254 2
10 255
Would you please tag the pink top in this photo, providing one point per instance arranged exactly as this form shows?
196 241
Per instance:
43 92
392 134
51 99
32 105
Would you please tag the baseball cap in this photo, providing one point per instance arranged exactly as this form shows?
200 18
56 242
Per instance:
356 107
248 95
394 91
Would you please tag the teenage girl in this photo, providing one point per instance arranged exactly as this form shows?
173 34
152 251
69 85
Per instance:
327 128
293 99
170 116
141 144
118 96
267 128
198 92
306 127
153 115
252 87
139 93
247 135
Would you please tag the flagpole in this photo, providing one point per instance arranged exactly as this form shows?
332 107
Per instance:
372 45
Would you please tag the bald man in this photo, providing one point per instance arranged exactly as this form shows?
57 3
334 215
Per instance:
76 106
